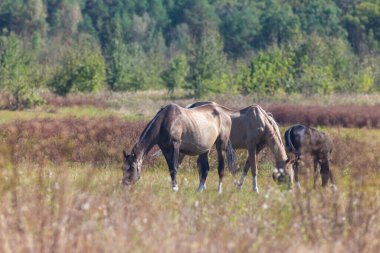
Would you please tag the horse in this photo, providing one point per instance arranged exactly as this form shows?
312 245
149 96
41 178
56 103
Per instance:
188 131
300 140
253 129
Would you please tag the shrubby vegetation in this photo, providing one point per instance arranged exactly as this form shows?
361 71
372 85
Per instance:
262 47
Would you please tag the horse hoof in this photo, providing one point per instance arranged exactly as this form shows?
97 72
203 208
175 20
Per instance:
334 188
238 185
175 188
256 189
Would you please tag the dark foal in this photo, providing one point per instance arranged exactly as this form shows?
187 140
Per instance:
301 140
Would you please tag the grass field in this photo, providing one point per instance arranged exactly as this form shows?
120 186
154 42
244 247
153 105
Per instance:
60 192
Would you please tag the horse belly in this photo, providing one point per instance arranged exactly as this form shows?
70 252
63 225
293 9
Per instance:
198 142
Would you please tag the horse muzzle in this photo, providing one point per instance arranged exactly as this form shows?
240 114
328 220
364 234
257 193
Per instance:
129 181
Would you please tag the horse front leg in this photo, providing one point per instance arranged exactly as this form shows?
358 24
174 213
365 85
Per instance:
203 161
239 184
200 173
171 155
295 169
315 172
252 160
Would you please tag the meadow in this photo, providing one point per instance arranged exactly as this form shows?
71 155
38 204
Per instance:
61 169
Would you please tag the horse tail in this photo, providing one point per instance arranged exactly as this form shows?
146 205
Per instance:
231 158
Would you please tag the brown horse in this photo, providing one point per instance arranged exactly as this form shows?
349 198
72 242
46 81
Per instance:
300 140
253 129
179 130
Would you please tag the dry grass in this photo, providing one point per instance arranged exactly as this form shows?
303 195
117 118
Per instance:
99 141
60 192
81 209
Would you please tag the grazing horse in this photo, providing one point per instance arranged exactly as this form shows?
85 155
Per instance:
300 140
180 130
253 129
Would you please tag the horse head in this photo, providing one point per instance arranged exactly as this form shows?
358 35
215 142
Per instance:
284 175
131 169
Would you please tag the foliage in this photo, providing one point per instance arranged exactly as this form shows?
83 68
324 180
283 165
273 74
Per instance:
240 28
207 63
17 76
139 40
174 76
82 70
272 71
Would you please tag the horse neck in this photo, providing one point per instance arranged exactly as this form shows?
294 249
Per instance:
275 143
277 148
149 137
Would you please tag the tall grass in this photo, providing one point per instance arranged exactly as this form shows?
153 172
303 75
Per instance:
82 209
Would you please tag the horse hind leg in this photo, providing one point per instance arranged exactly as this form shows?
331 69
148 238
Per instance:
252 159
220 166
239 183
203 161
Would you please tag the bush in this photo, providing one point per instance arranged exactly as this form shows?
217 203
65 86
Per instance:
270 71
82 71
174 76
17 73
207 63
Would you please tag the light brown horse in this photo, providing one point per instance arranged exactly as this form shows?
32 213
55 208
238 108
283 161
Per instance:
253 129
180 130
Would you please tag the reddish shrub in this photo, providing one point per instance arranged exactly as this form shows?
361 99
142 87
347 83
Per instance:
340 115
99 141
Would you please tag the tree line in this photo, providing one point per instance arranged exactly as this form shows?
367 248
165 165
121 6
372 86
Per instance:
203 46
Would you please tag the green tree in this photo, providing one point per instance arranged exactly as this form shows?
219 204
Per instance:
279 24
207 63
240 28
272 71
126 67
321 17
17 72
82 70
174 76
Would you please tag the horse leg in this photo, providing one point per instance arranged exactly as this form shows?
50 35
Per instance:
315 171
325 173
171 155
220 165
180 158
295 169
239 184
332 179
203 160
200 172
252 160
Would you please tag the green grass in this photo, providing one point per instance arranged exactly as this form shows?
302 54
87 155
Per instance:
76 112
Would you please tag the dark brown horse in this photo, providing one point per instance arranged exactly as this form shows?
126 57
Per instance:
253 129
180 130
301 140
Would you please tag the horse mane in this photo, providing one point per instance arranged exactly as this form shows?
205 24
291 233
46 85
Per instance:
144 132
272 121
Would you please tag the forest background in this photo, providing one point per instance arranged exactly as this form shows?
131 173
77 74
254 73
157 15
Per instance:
199 47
